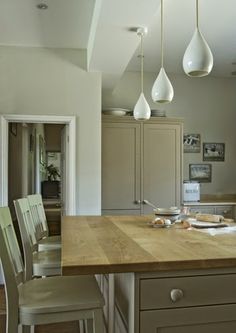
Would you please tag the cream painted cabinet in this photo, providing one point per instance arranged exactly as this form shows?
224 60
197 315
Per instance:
226 211
191 301
121 167
140 160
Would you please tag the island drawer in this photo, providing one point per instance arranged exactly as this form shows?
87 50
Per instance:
159 293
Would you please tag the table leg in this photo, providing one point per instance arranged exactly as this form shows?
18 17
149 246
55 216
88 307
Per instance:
111 303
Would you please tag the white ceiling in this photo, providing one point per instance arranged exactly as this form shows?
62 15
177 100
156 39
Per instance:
104 29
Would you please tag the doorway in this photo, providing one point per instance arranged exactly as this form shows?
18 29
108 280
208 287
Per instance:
35 164
70 160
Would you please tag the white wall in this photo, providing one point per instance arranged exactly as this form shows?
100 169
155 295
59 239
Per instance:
208 106
50 81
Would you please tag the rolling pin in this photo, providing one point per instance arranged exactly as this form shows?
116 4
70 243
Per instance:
209 218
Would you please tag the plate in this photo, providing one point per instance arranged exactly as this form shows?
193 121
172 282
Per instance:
115 111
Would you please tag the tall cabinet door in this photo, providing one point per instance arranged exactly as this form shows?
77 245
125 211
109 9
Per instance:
121 167
162 165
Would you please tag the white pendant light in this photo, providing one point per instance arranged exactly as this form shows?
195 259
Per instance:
162 90
198 59
142 110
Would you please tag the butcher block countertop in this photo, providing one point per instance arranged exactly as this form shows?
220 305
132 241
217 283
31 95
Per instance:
214 200
113 244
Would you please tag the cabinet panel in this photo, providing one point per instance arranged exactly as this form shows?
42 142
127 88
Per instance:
162 175
120 165
140 161
226 211
121 212
215 319
203 209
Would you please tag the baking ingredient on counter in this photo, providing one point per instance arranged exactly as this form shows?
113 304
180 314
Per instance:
219 231
160 223
209 218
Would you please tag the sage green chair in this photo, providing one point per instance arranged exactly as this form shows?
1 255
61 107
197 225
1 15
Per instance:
44 301
44 241
37 263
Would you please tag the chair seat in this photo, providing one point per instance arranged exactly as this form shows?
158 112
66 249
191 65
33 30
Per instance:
46 263
49 243
53 295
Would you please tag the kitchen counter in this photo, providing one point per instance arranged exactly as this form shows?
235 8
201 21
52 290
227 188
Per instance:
111 244
209 203
170 280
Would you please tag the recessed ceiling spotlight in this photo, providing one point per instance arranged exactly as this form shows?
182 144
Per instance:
42 6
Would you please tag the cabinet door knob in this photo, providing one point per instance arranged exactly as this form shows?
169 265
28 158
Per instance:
137 202
176 295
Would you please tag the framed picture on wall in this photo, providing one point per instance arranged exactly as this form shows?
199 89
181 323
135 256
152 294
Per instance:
200 172
213 152
192 143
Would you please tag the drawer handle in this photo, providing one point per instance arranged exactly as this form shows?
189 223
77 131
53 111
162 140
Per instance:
176 295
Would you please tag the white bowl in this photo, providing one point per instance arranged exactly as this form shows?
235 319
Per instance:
167 211
172 218
115 111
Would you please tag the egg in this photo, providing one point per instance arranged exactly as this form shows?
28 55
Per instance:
167 222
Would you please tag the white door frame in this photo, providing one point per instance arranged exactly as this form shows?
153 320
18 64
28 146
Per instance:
70 121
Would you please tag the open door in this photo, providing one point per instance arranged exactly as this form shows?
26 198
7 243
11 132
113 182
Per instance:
64 169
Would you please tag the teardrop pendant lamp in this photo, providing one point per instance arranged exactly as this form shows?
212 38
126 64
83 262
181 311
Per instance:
162 90
142 110
198 59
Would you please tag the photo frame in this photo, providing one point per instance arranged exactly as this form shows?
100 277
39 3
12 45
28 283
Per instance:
13 128
200 172
192 143
213 151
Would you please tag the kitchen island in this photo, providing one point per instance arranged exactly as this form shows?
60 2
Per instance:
170 280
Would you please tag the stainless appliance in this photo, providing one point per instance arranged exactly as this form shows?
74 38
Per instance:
191 191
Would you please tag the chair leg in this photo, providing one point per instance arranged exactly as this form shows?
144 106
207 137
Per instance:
26 329
11 323
81 326
89 326
98 324
111 303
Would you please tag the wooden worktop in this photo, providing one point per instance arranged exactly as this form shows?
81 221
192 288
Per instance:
109 244
214 200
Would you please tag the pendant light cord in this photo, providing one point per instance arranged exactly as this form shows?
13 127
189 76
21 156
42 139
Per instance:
141 62
197 14
162 38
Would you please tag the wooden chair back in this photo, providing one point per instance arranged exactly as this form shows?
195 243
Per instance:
28 234
38 214
12 266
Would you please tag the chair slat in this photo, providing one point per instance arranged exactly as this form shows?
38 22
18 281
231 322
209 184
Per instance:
38 214
11 244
